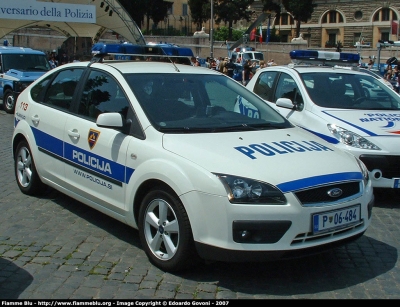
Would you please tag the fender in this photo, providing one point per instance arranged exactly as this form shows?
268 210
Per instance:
177 173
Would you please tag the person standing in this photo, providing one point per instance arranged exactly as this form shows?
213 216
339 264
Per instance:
213 64
195 61
231 67
53 62
395 77
262 65
64 59
370 64
388 73
208 65
246 74
218 61
223 66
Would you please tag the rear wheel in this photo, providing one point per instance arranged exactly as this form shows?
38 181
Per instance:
25 171
165 231
9 102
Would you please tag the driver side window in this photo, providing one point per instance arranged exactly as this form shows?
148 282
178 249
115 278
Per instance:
102 94
264 85
287 88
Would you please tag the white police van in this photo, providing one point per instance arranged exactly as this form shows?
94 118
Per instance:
346 107
244 54
19 67
164 148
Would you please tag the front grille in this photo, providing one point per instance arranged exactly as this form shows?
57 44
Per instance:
389 165
320 195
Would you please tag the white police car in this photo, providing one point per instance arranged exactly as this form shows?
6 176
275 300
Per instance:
164 148
350 109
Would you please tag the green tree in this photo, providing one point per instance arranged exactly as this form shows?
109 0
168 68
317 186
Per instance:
222 33
272 6
200 12
231 11
156 10
136 9
301 11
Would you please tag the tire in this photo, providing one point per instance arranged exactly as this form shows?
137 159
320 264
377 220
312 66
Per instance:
9 102
25 171
166 236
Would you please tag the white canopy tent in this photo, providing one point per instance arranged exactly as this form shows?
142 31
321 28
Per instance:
72 18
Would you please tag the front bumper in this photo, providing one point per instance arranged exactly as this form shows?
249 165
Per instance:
235 232
384 170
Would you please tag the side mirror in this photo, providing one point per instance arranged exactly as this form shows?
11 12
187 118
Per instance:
285 103
110 120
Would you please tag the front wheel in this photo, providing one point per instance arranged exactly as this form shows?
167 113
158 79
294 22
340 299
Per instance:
25 171
9 102
165 231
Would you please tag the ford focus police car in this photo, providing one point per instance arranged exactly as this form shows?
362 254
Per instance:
165 148
348 108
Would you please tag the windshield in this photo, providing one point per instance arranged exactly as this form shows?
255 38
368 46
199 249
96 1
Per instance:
187 103
253 56
258 56
350 91
25 62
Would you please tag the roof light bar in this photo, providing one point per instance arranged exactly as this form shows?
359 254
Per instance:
125 51
324 57
244 49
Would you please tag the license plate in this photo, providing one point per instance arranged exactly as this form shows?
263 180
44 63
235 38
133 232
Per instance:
331 220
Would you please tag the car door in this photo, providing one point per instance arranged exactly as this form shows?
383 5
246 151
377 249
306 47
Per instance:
47 117
96 156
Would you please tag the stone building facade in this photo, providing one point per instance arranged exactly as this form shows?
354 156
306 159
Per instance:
333 21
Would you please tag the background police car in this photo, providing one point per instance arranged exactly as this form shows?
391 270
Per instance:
348 108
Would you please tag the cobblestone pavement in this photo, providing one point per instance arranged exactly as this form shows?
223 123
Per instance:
54 247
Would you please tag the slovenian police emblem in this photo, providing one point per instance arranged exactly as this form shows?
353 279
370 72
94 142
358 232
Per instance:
93 136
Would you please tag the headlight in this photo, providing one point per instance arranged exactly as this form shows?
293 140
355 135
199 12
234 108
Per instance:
350 138
249 191
364 170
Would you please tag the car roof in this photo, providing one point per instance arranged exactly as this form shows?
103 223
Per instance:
312 68
127 67
19 50
158 67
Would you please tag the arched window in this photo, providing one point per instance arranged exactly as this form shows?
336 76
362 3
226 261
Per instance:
384 14
286 19
332 17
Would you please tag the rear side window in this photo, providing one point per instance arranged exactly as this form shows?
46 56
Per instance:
57 91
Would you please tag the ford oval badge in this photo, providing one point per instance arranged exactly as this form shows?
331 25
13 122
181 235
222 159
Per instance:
336 192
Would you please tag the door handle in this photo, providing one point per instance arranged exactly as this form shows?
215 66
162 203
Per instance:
35 119
74 133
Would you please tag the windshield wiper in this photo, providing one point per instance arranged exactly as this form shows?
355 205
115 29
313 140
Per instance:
184 129
263 126
241 127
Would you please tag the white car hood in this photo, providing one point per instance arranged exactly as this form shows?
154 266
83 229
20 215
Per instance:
278 157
